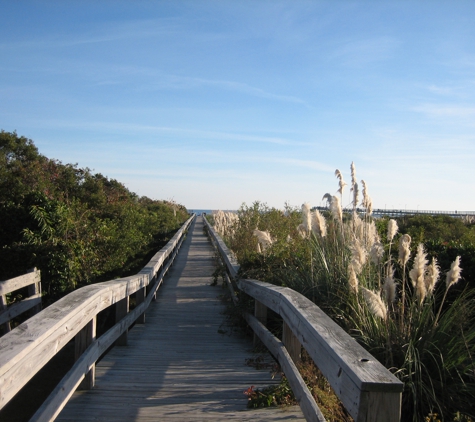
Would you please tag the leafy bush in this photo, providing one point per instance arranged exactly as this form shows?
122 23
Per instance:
76 226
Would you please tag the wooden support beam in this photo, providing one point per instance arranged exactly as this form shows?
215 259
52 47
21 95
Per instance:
260 312
82 341
139 298
6 327
121 310
292 344
35 290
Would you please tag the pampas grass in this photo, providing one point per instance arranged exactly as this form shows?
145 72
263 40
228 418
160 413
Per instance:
375 304
341 182
335 209
389 286
392 229
319 224
264 240
432 275
367 202
454 274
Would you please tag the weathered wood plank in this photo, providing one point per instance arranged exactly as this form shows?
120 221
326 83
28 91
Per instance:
299 388
352 372
185 363
82 341
3 307
8 286
18 308
25 350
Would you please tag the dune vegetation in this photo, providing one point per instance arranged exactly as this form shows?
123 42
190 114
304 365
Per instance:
385 287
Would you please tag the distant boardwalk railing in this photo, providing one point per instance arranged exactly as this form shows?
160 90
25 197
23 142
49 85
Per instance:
27 348
379 212
366 388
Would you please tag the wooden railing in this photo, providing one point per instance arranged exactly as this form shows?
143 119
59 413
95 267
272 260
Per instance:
27 348
32 303
366 388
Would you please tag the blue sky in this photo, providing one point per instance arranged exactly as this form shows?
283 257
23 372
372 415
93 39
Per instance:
216 103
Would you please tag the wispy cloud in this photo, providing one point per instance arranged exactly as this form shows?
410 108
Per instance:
446 110
362 52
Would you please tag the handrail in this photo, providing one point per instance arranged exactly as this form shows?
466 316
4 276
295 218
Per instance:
366 388
27 348
32 280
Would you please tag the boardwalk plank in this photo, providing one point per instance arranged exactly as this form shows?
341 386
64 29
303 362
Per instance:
180 365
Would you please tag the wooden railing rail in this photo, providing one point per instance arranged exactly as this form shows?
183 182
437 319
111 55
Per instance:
27 348
366 388
32 303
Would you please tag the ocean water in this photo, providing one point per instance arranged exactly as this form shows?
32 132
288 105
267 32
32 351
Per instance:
199 212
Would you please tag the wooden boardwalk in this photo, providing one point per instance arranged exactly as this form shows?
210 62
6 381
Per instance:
185 363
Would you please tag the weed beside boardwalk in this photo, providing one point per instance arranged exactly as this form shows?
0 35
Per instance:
380 286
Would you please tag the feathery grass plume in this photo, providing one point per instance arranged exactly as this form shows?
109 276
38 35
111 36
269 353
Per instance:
353 280
419 266
367 201
264 239
454 274
356 194
358 256
432 275
307 217
341 182
389 286
335 208
302 231
353 174
404 249
357 225
319 225
329 199
392 229
375 304
376 253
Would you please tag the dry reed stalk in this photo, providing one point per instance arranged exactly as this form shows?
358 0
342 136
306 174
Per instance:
375 304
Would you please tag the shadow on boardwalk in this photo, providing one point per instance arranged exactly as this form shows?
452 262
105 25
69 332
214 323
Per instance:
178 366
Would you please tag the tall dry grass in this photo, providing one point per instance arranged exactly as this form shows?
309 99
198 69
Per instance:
380 287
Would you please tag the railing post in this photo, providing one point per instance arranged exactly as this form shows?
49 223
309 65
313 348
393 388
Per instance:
139 298
260 312
121 310
3 305
82 341
35 289
291 343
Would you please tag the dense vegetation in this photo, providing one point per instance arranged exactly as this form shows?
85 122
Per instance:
77 227
404 289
